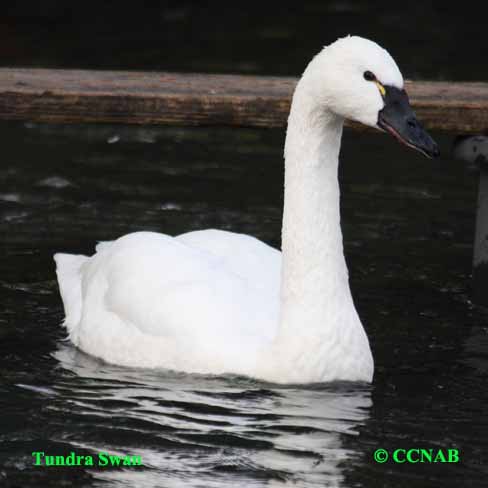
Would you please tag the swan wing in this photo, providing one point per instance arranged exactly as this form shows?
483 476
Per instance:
148 299
241 254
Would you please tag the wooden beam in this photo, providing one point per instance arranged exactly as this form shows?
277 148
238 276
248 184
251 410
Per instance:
64 96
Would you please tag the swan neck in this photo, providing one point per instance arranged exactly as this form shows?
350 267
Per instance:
315 285
320 333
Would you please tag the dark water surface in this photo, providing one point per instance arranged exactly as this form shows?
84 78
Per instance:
408 227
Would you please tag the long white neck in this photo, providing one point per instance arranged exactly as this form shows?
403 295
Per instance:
319 324
313 258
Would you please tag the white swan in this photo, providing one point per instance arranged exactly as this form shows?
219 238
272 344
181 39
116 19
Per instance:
218 302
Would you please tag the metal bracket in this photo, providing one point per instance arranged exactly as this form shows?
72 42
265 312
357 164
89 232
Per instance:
474 150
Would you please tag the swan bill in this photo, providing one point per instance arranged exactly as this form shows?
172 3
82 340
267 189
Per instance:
398 118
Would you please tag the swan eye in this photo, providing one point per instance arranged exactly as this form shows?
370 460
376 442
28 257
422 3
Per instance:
369 76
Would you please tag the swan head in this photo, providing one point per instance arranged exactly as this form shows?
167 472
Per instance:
356 79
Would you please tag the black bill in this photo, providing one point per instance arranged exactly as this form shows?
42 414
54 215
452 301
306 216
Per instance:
398 118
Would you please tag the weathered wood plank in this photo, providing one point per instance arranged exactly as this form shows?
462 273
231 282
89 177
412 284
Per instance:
65 96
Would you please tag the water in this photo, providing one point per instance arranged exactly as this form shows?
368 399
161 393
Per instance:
408 229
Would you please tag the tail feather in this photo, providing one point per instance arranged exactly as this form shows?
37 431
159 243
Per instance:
68 270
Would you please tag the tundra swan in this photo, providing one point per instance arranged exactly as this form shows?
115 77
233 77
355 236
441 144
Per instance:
216 302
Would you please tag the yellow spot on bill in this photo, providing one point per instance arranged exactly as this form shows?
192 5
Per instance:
381 88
